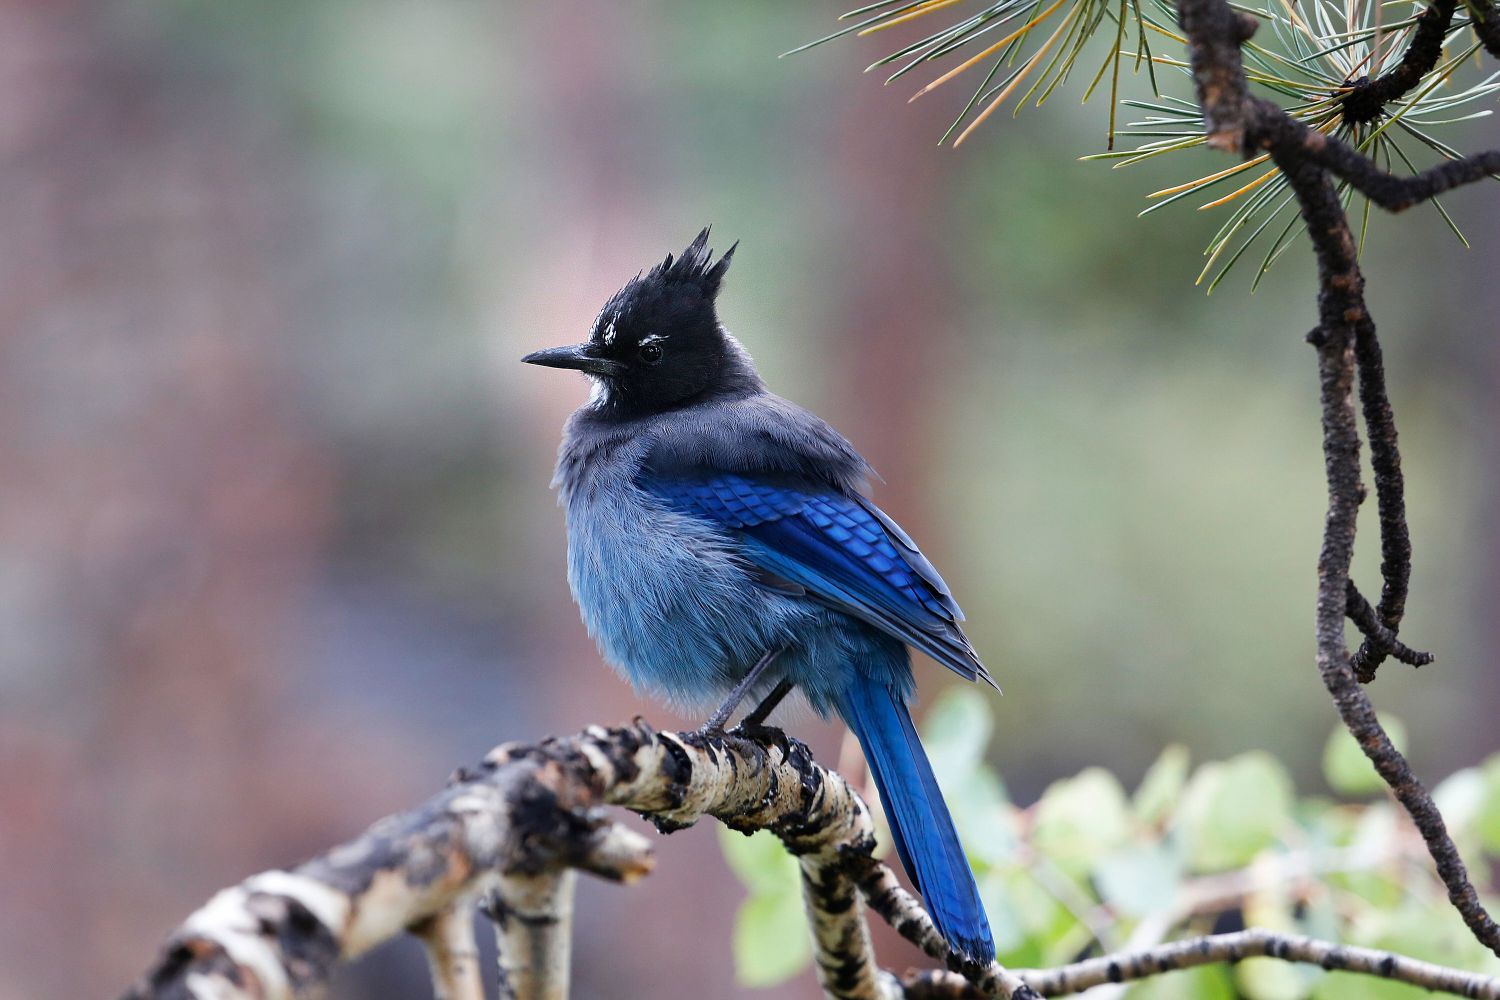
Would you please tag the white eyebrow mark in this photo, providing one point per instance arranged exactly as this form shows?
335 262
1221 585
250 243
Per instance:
653 338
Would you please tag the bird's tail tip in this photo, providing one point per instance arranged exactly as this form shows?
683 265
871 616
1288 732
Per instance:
980 951
920 824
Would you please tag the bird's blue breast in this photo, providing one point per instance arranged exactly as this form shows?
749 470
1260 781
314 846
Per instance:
669 597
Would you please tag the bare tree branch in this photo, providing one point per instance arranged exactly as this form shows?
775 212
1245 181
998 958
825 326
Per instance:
1366 99
533 917
513 829
1378 637
452 954
1486 22
1253 943
1390 503
845 959
516 824
1345 336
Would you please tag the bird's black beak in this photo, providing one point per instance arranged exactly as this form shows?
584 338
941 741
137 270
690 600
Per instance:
580 357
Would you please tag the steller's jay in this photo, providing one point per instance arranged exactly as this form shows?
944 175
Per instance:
720 542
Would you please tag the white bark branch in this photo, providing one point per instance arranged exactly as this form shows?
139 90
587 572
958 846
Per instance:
842 952
530 814
533 916
527 812
452 954
1230 948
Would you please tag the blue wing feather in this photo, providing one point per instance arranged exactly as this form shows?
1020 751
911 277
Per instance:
842 548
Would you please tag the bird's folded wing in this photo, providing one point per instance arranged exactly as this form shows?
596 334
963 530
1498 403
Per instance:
841 548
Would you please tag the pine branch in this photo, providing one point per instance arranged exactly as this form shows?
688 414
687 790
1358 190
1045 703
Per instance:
1344 338
1378 637
1366 99
1395 539
1486 22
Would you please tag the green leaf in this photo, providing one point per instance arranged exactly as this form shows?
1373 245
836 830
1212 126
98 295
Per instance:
761 862
1345 766
1461 798
956 731
1273 979
1208 982
1487 819
984 817
1080 819
1025 918
1270 906
1162 786
771 940
1233 810
1431 931
1140 879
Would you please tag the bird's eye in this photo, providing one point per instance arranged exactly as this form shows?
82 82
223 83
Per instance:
650 353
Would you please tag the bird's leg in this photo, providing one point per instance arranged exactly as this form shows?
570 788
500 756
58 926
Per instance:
715 724
768 705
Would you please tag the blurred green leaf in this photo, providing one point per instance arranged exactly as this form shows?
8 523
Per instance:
771 940
1032 929
1429 930
1349 986
1232 810
761 862
1345 766
983 816
1487 816
1208 982
1140 879
1376 830
1377 890
956 731
1271 907
1461 798
1080 819
1162 785
1273 979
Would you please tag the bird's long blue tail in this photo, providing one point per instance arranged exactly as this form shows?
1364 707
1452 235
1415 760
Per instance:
920 824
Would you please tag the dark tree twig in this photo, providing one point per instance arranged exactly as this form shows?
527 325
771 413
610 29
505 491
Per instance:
1486 22
1390 500
1366 99
1377 636
1345 334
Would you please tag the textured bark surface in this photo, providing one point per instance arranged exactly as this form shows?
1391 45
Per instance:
510 832
508 835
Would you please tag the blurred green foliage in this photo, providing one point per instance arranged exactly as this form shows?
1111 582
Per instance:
1089 867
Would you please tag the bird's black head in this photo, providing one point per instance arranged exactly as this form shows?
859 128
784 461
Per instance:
657 344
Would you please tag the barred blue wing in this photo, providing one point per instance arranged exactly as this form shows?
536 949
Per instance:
841 548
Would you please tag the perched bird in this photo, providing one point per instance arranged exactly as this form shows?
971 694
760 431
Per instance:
720 542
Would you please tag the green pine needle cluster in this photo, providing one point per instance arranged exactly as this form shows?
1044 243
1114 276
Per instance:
1306 56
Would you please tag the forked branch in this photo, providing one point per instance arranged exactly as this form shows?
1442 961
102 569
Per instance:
507 836
1345 340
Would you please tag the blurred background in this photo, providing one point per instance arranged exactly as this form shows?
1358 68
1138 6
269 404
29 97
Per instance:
277 549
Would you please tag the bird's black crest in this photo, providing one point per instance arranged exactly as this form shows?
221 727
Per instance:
696 266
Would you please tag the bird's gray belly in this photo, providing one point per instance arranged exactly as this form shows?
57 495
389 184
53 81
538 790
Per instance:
669 598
